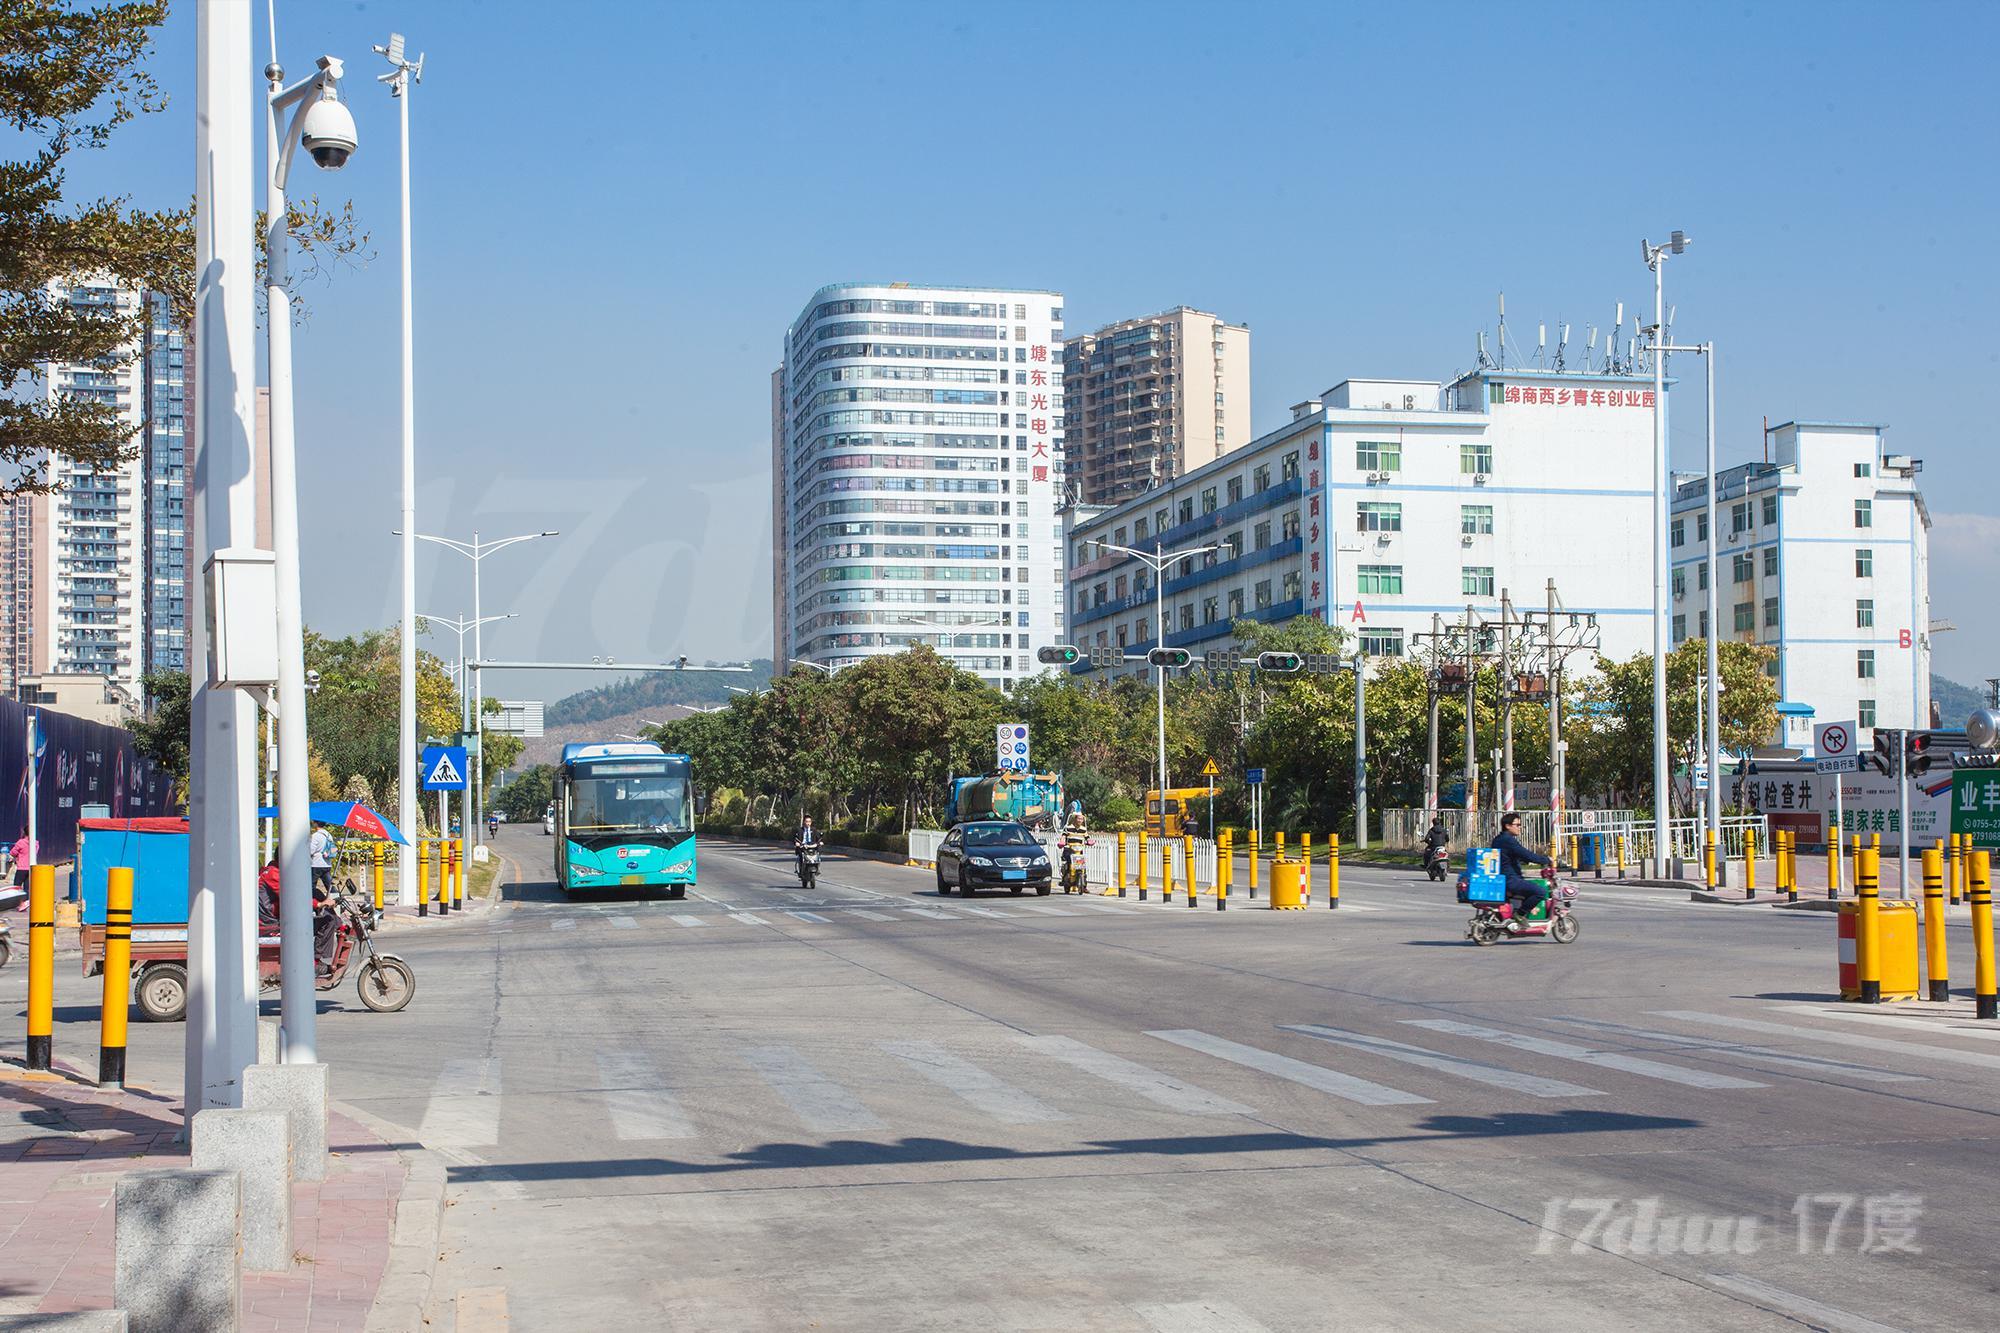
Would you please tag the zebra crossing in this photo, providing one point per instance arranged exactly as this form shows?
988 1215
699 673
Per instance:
904 1085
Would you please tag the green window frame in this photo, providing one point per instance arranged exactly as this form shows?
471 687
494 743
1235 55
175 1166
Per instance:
1380 580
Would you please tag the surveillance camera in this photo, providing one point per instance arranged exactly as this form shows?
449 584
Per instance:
328 132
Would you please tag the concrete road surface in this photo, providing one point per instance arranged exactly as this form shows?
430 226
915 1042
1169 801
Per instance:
874 1108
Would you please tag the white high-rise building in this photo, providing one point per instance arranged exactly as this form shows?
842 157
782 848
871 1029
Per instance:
917 465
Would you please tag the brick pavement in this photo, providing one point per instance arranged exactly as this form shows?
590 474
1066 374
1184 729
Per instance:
63 1145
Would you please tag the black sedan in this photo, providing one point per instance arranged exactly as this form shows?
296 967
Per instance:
992 854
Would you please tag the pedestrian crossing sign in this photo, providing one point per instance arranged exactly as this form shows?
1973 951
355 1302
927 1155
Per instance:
444 768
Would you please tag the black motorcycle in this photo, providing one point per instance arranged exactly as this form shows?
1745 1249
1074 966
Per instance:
1435 863
809 866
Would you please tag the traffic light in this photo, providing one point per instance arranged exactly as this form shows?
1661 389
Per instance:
1107 656
1221 660
1170 657
1321 663
1062 654
1279 664
1886 741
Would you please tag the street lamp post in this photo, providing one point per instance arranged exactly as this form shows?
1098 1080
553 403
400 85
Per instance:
1157 561
399 79
326 128
461 624
476 551
1656 259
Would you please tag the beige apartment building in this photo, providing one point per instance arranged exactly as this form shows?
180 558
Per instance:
1153 398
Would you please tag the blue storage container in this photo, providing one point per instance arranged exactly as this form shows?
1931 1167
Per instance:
1484 882
157 851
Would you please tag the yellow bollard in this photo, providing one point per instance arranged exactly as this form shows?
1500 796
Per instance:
1332 870
1853 857
1875 842
117 977
1937 964
1121 864
1166 871
380 854
1285 893
1253 865
1749 863
1868 929
458 876
1957 884
423 877
1225 870
1708 860
41 965
1791 855
1832 858
1144 872
444 877
1187 865
1621 856
1306 868
1985 1001
1572 851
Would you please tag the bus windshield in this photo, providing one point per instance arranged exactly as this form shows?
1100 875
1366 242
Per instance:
632 796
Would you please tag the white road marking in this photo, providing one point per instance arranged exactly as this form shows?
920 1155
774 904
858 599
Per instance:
1513 1080
1955 1025
931 912
464 1108
816 1099
1001 1100
1197 1317
1860 1042
1562 1050
1162 1089
1822 1316
746 919
624 923
687 919
639 1106
1045 909
989 911
867 915
1759 1054
562 923
813 917
1345 1086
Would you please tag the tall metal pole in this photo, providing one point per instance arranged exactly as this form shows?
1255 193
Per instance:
1471 727
1360 752
1660 475
475 766
222 512
1504 778
299 1001
1160 672
1557 776
406 757
1903 816
1431 768
1712 705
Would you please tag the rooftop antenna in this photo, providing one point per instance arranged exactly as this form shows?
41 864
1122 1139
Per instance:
1485 361
1503 330
1611 340
412 70
1590 348
1562 341
1541 343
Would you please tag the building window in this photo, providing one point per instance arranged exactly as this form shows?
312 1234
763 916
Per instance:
1677 532
1138 529
1476 580
1701 527
1475 458
1208 501
1235 489
1680 628
1211 610
1382 642
1701 575
1680 582
1770 562
1290 526
1864 613
1864 563
1373 517
1289 466
1294 586
1475 520
1864 513
1235 603
1864 664
1187 617
1743 567
1746 617
1864 713
1187 510
1386 456
1704 624
1260 480
1770 613
1863 469
1770 511
1262 535
1381 579
1262 594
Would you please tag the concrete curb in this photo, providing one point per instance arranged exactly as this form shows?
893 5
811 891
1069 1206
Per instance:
475 909
403 1296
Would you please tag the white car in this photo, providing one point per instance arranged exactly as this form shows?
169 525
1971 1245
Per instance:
549 821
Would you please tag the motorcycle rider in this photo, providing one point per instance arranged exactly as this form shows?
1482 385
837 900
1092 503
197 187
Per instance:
323 918
1436 839
804 838
1076 836
1515 858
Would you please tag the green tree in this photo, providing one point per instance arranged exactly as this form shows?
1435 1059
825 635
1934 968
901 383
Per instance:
353 720
1610 727
165 732
524 798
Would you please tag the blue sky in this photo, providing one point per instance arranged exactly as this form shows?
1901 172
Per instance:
619 207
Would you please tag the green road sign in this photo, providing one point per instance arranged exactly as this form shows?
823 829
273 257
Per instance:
1975 804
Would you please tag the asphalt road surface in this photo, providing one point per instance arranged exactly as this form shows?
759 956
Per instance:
873 1108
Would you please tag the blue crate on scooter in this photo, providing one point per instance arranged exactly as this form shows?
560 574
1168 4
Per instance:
1483 882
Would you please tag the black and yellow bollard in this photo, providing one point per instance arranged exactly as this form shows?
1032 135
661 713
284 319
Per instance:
1985 1000
1832 858
1306 869
1791 865
117 977
1936 964
1749 863
1187 865
1253 865
1121 864
1225 870
1957 885
1621 856
445 862
1333 870
1708 861
1144 873
458 875
41 965
1868 926
378 853
423 877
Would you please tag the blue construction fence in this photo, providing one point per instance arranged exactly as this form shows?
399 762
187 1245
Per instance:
83 763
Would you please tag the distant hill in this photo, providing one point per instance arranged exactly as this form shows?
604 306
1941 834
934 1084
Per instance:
1954 702
658 689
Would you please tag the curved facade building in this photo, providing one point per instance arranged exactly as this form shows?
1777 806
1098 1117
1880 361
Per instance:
916 470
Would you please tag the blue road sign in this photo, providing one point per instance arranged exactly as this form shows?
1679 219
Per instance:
444 768
1254 776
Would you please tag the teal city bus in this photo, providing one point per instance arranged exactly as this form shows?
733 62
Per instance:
624 819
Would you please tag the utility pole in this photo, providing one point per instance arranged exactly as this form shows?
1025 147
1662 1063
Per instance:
1471 723
1557 787
1431 693
1360 752
1505 776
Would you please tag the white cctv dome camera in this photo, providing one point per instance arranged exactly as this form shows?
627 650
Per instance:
328 132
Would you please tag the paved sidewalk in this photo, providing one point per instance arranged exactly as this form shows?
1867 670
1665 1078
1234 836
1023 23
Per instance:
63 1145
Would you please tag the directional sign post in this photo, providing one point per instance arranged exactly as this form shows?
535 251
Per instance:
1210 771
1010 747
1836 753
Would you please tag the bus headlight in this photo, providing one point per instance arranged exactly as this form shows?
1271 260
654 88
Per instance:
584 870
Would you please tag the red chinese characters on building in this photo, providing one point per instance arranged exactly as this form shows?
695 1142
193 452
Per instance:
1038 352
1552 397
1312 451
1038 473
1312 506
1038 376
1312 479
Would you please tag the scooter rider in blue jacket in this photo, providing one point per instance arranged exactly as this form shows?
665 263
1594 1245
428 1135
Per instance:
1515 859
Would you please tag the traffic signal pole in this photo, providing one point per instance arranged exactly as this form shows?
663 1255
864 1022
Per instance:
1903 819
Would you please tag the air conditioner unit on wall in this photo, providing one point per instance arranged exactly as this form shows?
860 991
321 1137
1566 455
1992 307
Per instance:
1479 479
1465 539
